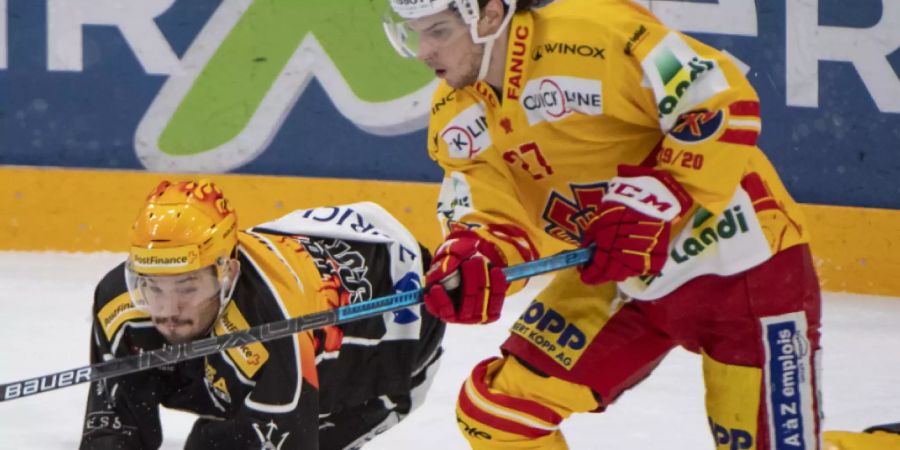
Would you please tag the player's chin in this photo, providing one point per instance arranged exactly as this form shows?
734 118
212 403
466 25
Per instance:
458 82
178 335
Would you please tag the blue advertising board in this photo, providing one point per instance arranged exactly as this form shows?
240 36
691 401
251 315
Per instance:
311 88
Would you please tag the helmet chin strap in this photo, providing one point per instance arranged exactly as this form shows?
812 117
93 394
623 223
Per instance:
488 41
229 282
486 59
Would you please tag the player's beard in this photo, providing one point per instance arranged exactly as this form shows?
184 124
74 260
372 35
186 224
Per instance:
469 71
174 330
185 328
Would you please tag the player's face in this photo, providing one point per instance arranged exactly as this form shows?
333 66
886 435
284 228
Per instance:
446 46
182 306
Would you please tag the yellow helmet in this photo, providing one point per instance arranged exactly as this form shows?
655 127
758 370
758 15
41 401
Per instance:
182 227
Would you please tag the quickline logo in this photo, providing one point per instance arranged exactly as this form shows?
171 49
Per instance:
251 63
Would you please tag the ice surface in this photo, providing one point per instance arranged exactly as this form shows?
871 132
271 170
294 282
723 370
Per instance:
45 315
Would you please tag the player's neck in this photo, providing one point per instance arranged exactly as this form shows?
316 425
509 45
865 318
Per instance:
497 62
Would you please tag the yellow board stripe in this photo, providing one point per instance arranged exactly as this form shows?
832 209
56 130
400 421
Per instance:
855 249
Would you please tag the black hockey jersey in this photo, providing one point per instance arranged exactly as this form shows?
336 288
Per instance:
354 380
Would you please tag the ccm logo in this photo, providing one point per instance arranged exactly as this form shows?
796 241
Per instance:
633 191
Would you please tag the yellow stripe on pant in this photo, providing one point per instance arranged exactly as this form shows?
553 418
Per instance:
504 405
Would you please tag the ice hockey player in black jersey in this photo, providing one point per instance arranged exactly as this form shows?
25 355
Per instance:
191 273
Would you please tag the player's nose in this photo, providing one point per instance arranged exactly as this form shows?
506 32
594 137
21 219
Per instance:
426 52
164 308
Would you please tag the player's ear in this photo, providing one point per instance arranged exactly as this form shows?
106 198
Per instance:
492 15
234 268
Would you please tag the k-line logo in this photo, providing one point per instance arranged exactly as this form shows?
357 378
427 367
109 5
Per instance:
467 134
250 64
565 48
555 98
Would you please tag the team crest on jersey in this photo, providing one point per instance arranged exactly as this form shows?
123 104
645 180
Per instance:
342 267
467 134
567 218
268 439
554 98
697 126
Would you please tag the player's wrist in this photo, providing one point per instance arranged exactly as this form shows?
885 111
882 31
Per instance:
465 283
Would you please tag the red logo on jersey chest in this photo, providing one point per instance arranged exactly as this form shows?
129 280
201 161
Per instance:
568 218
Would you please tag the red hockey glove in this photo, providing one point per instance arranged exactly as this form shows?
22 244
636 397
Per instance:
465 283
632 227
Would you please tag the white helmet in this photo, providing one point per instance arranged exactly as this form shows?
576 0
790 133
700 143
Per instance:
407 41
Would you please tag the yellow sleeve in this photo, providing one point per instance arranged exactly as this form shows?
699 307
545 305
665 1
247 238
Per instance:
477 191
706 109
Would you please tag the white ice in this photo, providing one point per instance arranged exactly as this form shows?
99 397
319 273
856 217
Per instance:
44 311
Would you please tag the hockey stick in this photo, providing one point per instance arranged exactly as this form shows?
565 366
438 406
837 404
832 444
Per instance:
171 354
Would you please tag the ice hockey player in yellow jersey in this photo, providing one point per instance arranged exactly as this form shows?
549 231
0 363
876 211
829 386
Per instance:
590 123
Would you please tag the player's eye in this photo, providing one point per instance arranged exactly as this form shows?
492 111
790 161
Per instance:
439 33
186 290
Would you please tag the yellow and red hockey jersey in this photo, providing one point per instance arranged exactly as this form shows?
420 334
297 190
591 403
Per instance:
590 85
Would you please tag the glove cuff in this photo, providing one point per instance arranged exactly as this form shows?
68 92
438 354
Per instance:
482 245
651 192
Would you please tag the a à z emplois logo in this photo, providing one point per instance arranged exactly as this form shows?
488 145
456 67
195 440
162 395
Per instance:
250 64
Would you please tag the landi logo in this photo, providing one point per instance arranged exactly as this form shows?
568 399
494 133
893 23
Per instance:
240 78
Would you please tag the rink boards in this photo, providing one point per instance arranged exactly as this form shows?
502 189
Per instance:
856 249
309 104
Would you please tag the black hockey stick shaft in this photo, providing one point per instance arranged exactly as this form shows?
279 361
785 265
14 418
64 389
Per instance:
171 354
